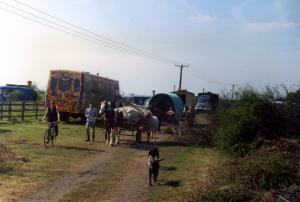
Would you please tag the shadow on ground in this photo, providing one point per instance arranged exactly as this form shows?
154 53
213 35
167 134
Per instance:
4 168
145 146
4 131
172 183
168 168
80 148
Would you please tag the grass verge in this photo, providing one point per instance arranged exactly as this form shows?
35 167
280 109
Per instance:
26 139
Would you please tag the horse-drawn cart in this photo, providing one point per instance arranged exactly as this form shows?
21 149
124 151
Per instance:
133 118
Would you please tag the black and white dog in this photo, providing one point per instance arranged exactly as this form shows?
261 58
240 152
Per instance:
153 164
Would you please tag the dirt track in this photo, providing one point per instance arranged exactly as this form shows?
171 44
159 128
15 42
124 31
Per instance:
132 182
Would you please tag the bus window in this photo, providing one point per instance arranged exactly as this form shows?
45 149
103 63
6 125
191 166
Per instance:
76 85
65 85
53 86
94 87
102 86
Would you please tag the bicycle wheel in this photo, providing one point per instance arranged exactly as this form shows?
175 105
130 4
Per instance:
46 139
53 136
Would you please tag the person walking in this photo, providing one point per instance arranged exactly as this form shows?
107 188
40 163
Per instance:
91 115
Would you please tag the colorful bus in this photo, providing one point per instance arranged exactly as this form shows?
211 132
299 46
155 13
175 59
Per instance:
74 91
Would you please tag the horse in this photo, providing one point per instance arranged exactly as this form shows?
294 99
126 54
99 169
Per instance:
151 126
173 123
111 122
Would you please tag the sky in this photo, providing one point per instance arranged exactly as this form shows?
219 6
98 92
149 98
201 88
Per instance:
255 42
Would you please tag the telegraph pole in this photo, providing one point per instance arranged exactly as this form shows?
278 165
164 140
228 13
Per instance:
180 78
232 96
153 92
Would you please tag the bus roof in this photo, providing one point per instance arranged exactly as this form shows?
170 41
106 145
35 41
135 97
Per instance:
16 87
79 72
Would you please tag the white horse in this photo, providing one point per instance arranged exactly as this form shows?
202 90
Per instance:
173 123
114 137
151 127
116 131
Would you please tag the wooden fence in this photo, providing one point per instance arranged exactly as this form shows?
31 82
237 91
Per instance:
21 110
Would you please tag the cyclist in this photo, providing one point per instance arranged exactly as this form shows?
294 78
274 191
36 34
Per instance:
91 115
52 116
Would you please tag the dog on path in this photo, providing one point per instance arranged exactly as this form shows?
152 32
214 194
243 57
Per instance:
153 164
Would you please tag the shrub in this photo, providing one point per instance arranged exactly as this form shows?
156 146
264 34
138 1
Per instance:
14 95
226 193
263 170
252 114
247 178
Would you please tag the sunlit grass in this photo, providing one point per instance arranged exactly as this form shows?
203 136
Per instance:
26 139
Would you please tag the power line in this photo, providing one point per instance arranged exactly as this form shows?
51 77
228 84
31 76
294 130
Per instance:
61 30
91 32
109 43
103 43
203 76
211 80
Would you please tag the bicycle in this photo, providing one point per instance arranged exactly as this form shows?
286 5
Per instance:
50 140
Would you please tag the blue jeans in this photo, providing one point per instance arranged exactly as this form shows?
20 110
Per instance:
87 128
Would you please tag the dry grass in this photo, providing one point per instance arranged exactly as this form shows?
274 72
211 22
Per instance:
125 177
26 139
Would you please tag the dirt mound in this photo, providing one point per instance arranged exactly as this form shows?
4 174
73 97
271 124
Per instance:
291 194
7 155
283 145
196 136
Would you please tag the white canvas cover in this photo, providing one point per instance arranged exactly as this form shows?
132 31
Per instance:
133 113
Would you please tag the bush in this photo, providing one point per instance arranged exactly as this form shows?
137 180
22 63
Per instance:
252 115
14 96
264 170
228 194
247 178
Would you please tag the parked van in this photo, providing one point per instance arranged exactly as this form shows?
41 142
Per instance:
207 102
26 93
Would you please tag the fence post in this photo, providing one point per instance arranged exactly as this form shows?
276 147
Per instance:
36 110
23 110
9 110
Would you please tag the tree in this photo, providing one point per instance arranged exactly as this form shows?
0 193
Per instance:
14 96
38 94
293 97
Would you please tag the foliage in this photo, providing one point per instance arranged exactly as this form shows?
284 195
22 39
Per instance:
226 193
246 178
38 94
253 114
14 95
265 170
293 97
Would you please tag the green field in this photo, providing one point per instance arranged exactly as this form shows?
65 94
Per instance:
123 167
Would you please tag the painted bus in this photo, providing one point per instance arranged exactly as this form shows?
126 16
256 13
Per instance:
73 91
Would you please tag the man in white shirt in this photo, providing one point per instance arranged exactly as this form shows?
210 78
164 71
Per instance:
90 114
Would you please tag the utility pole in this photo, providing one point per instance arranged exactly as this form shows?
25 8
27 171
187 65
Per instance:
153 92
180 78
232 96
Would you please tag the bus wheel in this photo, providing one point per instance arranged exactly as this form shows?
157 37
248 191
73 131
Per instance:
64 117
